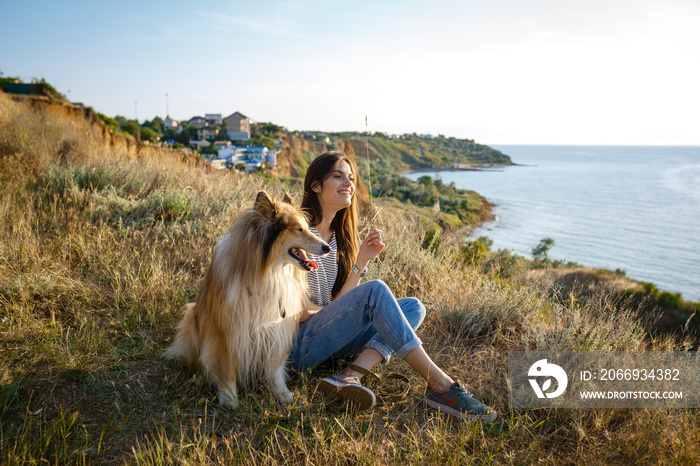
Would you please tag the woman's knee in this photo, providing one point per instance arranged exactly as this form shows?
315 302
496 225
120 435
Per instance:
414 310
378 292
378 286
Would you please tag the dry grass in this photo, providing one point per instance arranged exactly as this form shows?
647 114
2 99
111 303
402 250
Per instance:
98 253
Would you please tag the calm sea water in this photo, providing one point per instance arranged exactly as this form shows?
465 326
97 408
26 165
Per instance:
614 207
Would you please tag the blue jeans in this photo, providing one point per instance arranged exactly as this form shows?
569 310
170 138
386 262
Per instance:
368 316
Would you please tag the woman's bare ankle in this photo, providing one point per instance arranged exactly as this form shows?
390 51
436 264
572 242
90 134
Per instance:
441 385
351 373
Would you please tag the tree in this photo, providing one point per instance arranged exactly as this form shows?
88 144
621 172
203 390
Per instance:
426 180
191 132
156 124
268 128
169 134
183 137
540 251
133 128
268 142
147 134
111 123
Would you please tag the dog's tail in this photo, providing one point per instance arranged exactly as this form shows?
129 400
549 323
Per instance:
185 347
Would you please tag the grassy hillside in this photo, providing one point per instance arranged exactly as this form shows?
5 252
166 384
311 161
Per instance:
413 152
100 248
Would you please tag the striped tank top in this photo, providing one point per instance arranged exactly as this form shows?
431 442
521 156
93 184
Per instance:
322 279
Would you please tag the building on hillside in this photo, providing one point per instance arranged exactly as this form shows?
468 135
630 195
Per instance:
197 122
253 164
169 123
218 164
231 153
200 145
221 144
271 158
213 119
258 152
207 132
237 127
316 136
235 155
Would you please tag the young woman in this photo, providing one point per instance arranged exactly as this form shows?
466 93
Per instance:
345 319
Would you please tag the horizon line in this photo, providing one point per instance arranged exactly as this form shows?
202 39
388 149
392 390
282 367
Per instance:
590 144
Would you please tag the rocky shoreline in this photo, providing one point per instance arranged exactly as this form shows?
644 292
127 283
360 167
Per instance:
461 167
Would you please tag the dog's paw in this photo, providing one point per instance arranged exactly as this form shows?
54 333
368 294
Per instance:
228 400
285 397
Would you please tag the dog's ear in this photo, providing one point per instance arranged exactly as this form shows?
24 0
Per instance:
288 199
263 204
261 197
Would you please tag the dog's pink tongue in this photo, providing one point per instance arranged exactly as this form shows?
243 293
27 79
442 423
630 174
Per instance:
313 264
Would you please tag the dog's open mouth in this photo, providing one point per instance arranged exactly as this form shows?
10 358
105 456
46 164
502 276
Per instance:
303 259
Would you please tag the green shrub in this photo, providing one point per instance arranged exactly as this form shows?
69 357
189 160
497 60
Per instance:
474 252
505 264
432 240
668 299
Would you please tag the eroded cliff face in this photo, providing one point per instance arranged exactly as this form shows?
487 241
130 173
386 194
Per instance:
361 149
361 191
86 117
295 154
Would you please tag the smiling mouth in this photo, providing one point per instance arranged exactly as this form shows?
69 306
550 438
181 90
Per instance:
303 259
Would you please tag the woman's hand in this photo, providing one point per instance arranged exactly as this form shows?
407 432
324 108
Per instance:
308 309
370 248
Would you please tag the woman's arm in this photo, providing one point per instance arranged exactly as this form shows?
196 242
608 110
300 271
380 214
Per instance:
369 249
309 309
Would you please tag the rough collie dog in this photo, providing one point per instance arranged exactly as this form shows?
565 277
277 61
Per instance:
242 327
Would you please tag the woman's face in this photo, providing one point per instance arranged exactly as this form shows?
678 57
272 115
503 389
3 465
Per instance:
336 191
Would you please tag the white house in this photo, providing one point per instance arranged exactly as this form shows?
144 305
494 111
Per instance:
253 164
169 123
213 119
271 158
218 164
234 155
259 152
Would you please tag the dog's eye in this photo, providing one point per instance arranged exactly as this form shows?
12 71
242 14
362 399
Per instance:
300 229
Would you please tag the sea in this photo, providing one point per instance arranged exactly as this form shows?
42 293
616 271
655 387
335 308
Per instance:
632 208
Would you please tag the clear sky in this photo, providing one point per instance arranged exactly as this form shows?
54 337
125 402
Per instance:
499 72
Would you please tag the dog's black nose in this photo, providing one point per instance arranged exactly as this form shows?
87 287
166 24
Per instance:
326 249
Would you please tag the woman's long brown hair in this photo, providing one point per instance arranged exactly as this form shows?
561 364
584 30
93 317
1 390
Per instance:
344 223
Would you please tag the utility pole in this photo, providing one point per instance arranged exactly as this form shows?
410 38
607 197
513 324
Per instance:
167 105
136 112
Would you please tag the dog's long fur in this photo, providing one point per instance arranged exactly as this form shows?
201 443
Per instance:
242 327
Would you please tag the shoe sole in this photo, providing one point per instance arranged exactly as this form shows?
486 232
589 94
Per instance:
361 397
465 416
